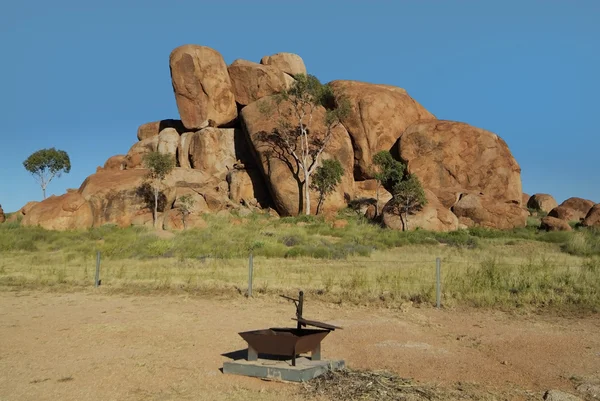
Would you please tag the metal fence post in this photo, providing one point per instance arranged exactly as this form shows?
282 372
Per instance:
438 280
250 274
97 278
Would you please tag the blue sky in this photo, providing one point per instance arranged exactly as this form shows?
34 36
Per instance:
82 76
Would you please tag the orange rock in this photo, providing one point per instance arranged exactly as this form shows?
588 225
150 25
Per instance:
154 128
476 210
452 158
543 202
592 219
278 167
289 63
433 216
553 224
252 81
21 212
573 209
65 212
202 87
117 162
379 115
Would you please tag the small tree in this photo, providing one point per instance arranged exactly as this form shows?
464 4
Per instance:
296 108
160 165
389 172
409 196
326 178
186 203
45 164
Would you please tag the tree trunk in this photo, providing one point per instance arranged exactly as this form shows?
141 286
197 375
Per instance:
406 215
306 192
44 191
155 206
377 200
321 199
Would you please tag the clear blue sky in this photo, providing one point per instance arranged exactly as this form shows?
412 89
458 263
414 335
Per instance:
82 75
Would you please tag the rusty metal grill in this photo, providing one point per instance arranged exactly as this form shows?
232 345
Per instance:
289 341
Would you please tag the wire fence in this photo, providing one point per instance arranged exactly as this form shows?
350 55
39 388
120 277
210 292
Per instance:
428 279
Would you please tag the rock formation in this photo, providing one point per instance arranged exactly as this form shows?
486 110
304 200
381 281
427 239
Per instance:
252 81
289 63
573 209
380 114
18 215
275 162
592 219
202 87
433 216
226 159
542 202
485 211
2 216
453 158
553 224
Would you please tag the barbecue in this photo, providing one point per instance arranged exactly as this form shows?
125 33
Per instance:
266 345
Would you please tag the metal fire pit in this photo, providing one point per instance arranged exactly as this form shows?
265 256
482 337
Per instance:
289 341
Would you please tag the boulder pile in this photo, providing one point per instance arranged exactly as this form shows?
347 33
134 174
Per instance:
223 162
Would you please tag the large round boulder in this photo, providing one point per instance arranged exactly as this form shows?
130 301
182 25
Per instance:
281 170
453 158
592 219
476 210
525 199
379 115
542 202
66 212
252 81
433 217
202 87
573 209
549 223
290 63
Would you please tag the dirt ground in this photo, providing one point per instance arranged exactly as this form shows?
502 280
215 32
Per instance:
89 346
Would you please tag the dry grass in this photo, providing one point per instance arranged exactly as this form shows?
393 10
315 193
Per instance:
353 385
361 263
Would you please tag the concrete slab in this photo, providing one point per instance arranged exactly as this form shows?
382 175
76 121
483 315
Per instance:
304 370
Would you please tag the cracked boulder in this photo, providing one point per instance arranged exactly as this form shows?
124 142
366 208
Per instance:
453 158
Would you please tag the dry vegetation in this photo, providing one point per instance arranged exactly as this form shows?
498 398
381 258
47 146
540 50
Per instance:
361 263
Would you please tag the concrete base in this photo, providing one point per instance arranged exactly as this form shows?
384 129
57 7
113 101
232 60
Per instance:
304 370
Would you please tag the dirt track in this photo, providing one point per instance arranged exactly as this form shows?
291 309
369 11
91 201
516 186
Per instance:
109 347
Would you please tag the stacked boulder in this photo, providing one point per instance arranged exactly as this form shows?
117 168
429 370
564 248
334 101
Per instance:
542 202
224 162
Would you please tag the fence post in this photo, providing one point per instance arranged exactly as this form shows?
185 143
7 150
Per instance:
250 274
97 278
438 280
